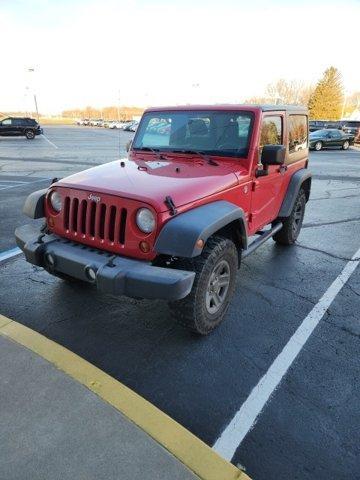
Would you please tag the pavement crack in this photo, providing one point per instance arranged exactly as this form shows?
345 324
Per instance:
332 198
40 281
338 257
335 222
258 293
350 332
342 328
50 324
299 295
303 297
352 289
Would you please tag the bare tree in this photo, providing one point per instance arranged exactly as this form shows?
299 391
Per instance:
282 91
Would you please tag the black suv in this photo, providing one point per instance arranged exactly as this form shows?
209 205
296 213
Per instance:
352 127
16 126
315 125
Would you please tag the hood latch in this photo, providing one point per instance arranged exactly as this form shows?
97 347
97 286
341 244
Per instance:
170 203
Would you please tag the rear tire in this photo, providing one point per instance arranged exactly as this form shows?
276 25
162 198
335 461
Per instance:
345 145
205 307
29 134
292 224
318 146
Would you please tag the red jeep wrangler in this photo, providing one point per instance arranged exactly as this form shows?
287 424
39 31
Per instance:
173 221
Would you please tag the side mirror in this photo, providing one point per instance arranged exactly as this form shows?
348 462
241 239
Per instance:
273 155
128 145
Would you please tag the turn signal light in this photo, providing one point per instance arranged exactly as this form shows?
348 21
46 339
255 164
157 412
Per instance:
51 222
200 243
144 247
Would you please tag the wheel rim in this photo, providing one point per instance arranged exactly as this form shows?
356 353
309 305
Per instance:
298 217
218 287
318 146
346 145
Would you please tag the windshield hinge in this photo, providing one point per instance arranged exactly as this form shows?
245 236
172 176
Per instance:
170 203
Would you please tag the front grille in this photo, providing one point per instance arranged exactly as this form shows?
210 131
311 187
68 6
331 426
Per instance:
97 221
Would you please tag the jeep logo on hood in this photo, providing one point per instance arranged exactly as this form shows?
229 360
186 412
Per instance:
94 198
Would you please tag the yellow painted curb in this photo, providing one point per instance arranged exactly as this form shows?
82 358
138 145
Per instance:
181 443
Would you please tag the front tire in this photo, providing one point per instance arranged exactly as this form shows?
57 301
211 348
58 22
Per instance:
345 145
318 146
29 134
292 224
205 307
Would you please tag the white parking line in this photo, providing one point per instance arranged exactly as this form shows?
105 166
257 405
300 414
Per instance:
9 253
51 143
243 421
11 181
18 184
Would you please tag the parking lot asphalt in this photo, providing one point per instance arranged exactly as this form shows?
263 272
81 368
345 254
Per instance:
309 428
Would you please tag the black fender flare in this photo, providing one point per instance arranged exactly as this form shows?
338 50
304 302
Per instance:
296 181
179 236
34 204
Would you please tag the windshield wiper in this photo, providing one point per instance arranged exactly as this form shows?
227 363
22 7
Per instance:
155 151
147 149
206 157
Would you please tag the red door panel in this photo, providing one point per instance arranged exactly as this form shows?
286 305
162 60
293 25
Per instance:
266 195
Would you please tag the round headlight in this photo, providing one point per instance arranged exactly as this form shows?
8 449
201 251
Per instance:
56 201
145 220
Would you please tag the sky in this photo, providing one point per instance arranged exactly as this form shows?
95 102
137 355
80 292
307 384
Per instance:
158 52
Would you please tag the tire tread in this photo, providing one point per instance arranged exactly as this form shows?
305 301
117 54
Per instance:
187 312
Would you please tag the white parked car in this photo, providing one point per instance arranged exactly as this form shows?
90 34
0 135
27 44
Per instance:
114 124
120 125
96 122
83 121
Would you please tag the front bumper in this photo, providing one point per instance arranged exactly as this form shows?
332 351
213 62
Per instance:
114 274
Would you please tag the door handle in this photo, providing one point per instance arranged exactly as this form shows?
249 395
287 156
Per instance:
282 169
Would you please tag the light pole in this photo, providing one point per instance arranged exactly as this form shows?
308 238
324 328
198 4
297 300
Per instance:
118 106
344 105
32 70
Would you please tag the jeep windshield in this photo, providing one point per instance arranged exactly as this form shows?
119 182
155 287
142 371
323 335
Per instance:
214 132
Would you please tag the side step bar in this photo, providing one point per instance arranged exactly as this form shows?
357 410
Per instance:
263 236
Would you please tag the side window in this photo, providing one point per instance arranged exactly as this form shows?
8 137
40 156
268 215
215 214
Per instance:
298 133
7 121
271 131
17 122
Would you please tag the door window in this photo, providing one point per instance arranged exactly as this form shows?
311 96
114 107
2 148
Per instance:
6 122
335 135
271 131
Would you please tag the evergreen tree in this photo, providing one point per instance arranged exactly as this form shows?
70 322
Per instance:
326 101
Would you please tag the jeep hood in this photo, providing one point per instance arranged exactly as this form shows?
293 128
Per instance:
150 180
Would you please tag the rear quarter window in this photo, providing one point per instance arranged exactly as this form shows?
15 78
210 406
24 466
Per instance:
298 133
18 122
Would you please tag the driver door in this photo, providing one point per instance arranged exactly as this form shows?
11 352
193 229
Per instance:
335 138
266 196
